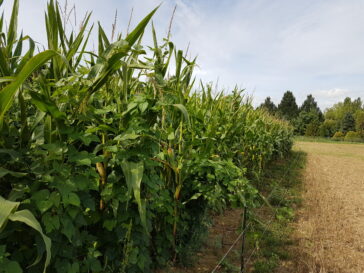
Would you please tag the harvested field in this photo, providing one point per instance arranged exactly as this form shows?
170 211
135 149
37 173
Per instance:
330 229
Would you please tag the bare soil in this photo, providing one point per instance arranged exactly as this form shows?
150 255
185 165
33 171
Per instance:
222 234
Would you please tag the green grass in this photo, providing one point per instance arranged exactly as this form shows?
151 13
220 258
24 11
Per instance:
323 139
281 184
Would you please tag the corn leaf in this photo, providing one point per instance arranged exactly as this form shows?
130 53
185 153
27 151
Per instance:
4 172
6 208
138 31
8 212
133 172
8 92
4 65
44 104
26 217
109 62
183 110
13 25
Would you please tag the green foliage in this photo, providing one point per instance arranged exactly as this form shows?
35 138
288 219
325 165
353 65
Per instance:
309 118
353 137
227 267
7 93
281 184
288 108
269 106
359 121
9 211
7 265
310 105
328 128
338 136
307 123
348 123
266 265
343 116
117 160
312 128
339 110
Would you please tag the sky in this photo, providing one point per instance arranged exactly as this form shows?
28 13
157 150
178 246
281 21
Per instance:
265 47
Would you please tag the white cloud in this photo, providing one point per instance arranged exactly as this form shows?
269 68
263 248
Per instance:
332 93
328 97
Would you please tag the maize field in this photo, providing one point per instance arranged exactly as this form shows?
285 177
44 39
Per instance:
113 160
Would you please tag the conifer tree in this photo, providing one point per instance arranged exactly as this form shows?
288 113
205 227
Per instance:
269 105
288 108
310 105
348 123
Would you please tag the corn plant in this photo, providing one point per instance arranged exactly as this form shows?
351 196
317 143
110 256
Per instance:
117 155
9 212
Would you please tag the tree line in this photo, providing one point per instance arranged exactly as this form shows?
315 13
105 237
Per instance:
343 121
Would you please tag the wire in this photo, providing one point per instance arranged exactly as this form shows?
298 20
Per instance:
271 221
227 252
295 161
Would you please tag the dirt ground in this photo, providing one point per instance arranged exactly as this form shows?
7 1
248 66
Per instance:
330 229
222 234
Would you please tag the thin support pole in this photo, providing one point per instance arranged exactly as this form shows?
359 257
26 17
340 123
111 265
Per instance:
242 262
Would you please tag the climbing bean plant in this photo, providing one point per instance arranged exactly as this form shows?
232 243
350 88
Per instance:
117 156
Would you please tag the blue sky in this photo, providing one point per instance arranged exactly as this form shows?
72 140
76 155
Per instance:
264 46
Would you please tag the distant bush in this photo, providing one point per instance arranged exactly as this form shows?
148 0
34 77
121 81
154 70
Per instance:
328 128
359 121
353 136
312 129
307 123
338 136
